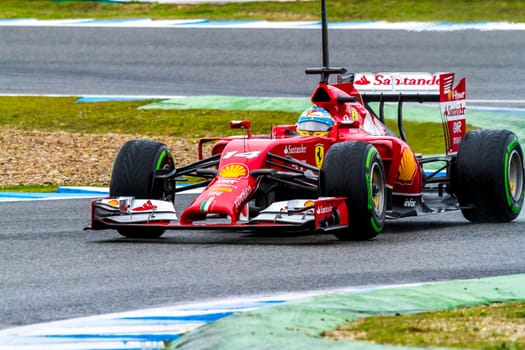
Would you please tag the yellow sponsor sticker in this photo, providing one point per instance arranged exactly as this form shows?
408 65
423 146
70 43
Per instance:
234 171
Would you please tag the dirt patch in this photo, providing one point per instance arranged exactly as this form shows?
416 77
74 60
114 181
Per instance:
58 158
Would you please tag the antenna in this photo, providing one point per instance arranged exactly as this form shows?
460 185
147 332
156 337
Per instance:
324 25
325 70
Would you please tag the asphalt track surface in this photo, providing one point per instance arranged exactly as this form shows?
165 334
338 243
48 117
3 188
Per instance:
244 62
52 269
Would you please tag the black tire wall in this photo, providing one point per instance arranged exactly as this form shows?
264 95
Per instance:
484 186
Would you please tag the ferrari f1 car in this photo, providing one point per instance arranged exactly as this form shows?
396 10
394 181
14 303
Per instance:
346 180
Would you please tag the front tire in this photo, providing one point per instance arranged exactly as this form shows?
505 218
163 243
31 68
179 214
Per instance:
134 175
355 170
489 176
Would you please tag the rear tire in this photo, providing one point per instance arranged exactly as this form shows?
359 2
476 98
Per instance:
355 170
133 175
489 176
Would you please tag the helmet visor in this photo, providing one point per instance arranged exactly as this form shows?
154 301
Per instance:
312 125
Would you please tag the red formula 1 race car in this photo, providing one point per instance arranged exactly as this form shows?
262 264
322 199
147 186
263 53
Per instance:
338 170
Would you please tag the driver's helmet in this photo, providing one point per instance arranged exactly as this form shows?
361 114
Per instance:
314 121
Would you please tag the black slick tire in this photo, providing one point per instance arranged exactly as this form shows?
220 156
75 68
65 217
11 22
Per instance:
489 181
355 170
133 175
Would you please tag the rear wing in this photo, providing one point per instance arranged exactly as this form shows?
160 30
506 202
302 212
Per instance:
418 87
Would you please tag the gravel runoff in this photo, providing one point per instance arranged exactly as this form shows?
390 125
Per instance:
59 158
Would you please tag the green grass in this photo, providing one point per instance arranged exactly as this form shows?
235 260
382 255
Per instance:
29 188
338 10
64 114
488 327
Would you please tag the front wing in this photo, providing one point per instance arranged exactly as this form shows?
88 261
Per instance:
321 214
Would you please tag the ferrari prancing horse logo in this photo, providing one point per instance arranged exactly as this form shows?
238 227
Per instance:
319 155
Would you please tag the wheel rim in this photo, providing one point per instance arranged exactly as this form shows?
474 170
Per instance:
377 186
515 175
163 189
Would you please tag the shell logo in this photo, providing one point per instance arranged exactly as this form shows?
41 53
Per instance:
407 167
234 171
309 204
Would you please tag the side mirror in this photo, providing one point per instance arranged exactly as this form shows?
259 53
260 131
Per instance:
241 124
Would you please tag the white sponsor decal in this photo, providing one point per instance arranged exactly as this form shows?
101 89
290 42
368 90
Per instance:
409 203
324 210
411 81
242 197
456 95
226 182
388 80
215 193
454 111
247 155
456 140
456 127
289 149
